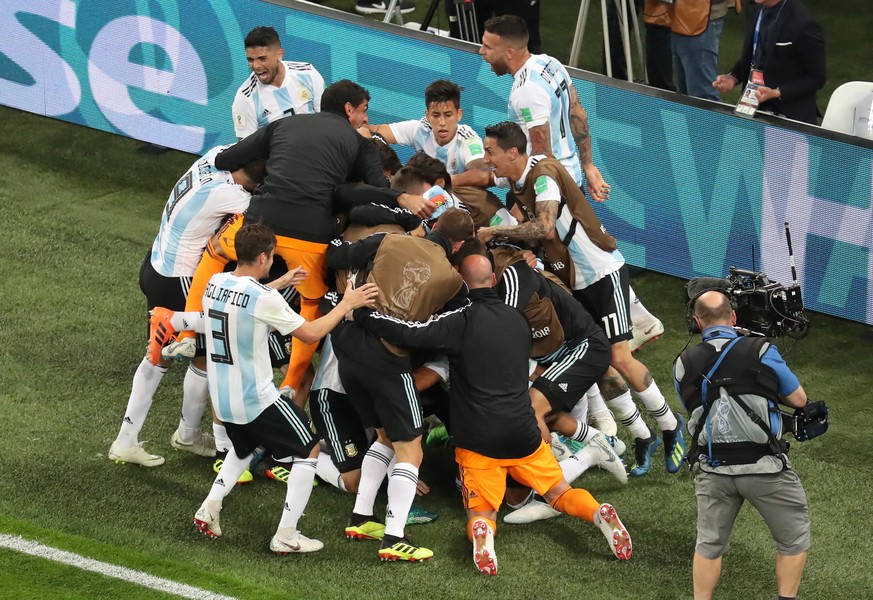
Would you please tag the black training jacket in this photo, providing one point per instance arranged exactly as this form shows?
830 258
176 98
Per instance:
308 156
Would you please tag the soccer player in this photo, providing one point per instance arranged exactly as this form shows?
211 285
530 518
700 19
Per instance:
596 273
494 427
238 313
544 103
440 135
276 88
199 201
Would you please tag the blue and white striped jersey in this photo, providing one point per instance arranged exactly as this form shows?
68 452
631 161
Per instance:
239 313
201 198
461 150
591 262
256 104
541 94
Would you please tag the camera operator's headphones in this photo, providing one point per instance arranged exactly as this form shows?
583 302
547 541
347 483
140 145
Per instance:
696 288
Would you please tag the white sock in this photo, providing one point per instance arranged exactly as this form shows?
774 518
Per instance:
299 489
142 392
638 312
328 472
188 321
584 432
595 401
373 470
598 411
195 396
401 492
657 407
624 408
222 442
573 466
228 475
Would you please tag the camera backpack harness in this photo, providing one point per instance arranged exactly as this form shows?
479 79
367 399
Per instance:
743 374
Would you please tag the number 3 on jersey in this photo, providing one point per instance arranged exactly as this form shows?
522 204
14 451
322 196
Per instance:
219 321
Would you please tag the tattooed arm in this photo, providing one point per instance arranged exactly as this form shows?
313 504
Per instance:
540 140
597 187
579 128
538 228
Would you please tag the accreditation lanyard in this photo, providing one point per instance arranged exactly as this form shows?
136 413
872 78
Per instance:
756 59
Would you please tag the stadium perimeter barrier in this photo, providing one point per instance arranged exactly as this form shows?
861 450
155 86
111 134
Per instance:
695 189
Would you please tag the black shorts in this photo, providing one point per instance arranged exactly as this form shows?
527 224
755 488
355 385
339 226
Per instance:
278 344
577 368
279 355
435 401
337 421
169 292
608 301
282 428
383 399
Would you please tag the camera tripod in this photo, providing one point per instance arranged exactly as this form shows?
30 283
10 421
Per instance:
462 21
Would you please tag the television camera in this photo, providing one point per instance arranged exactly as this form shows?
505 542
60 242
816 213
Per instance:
763 307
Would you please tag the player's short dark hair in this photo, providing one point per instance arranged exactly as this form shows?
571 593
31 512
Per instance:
443 90
262 36
337 94
508 135
251 240
387 157
256 170
456 224
433 169
406 178
510 28
471 246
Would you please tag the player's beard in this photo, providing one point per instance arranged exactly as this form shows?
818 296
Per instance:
500 69
271 76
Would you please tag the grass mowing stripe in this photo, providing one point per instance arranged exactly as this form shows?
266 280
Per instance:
19 544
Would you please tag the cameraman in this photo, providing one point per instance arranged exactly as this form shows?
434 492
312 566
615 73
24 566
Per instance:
730 387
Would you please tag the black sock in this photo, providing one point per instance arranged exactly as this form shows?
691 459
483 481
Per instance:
641 447
357 519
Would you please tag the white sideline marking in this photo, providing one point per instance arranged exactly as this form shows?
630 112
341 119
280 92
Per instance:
19 544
